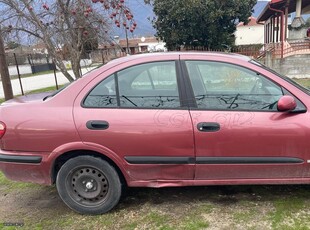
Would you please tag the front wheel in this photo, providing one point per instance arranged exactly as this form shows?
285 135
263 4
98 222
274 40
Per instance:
89 185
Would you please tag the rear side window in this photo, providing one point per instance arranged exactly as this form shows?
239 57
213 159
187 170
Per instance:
103 95
152 85
224 86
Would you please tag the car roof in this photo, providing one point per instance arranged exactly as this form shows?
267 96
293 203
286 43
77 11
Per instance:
187 54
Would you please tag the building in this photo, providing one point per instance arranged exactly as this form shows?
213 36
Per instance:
123 47
275 17
142 45
249 34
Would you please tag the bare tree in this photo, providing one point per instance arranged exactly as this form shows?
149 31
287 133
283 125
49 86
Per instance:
70 25
4 71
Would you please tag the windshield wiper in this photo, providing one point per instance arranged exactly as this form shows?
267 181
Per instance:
233 102
48 96
129 100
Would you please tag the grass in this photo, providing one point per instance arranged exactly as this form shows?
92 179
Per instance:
47 89
291 210
141 214
12 185
246 214
43 90
284 211
303 81
194 221
33 74
196 208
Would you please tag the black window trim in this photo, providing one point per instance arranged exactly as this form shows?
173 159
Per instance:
118 99
191 90
180 81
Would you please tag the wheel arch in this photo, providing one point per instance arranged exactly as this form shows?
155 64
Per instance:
63 158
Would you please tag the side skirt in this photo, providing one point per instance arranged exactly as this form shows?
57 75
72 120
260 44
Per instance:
176 183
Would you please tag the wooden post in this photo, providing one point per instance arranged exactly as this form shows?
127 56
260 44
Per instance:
286 21
265 37
268 38
272 29
278 28
282 35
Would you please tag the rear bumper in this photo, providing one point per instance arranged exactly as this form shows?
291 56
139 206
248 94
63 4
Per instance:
25 166
20 159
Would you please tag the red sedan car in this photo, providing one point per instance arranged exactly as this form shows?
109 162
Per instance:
156 120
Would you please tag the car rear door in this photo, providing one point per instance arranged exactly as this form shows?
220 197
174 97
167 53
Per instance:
239 134
137 115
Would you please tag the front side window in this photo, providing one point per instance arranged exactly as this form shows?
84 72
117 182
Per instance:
223 86
151 85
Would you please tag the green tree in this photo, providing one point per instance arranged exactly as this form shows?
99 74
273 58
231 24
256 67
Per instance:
199 23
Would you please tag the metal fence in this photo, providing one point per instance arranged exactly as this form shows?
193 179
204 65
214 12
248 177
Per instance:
37 62
21 63
105 55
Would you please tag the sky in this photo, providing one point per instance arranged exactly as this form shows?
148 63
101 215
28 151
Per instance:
143 13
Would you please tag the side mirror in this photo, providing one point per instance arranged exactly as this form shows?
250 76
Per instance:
286 103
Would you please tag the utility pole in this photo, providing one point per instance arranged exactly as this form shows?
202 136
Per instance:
127 42
4 71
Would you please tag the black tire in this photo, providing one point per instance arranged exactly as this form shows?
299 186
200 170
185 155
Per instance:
89 185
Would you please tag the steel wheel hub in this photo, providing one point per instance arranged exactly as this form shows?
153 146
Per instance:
89 185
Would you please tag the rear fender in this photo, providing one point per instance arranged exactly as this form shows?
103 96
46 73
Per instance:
80 146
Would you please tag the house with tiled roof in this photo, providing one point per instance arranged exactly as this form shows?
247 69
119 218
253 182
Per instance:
250 33
142 45
122 47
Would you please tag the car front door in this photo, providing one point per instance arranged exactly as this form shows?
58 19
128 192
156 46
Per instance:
239 133
136 115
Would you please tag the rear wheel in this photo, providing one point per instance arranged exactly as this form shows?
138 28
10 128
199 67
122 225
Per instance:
89 185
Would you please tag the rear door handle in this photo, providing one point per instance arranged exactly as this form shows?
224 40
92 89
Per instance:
208 126
97 125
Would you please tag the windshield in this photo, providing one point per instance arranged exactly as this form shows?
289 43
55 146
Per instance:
291 81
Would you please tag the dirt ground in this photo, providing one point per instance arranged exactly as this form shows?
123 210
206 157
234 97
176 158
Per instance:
217 207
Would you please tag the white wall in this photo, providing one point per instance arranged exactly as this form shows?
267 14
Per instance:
247 35
26 69
23 69
153 46
83 63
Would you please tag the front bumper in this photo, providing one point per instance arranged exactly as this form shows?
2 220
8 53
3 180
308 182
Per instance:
25 166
